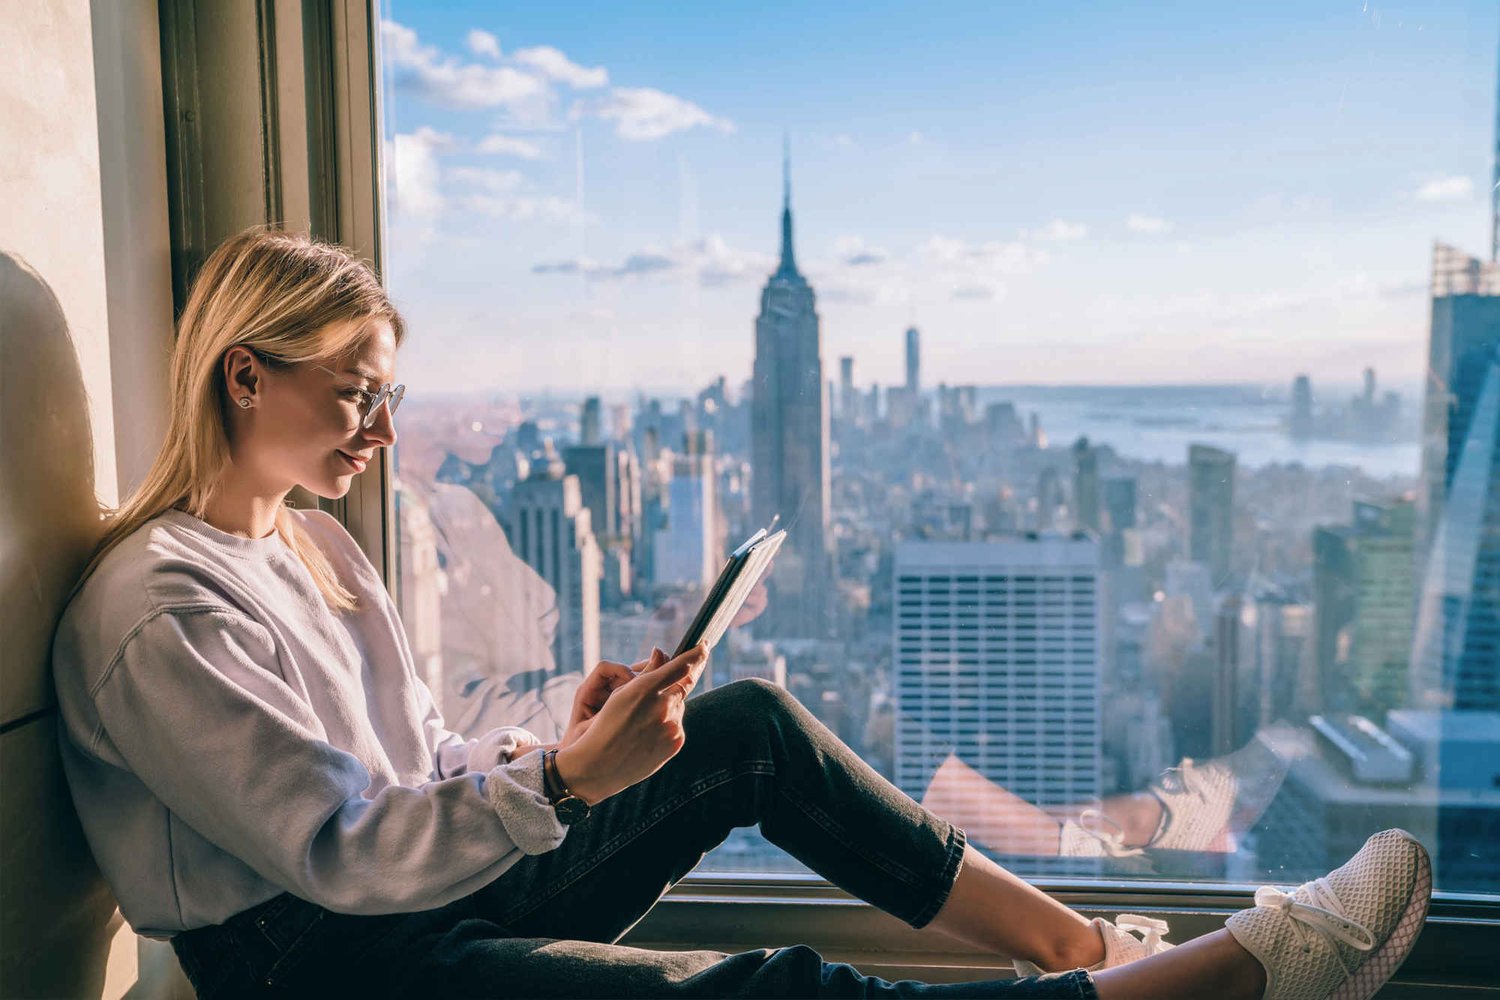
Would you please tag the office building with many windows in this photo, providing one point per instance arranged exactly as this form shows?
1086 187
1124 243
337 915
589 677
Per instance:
998 657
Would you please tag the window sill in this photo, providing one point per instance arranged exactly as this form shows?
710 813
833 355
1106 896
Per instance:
1455 957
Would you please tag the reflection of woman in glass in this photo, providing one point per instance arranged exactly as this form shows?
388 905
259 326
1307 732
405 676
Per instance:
265 780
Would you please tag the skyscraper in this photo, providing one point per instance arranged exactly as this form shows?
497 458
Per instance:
609 484
590 430
1211 509
848 399
913 362
1085 485
998 655
688 546
790 442
1362 590
1119 503
555 537
1464 336
1302 407
1456 652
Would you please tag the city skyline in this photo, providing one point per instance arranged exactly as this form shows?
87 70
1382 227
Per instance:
1289 582
613 229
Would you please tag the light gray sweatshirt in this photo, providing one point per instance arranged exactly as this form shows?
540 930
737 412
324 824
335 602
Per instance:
227 737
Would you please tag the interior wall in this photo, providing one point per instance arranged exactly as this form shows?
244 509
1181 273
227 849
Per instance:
85 328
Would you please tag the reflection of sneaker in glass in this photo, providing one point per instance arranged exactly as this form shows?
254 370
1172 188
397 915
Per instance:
1196 802
1204 805
1093 835
1120 946
1341 936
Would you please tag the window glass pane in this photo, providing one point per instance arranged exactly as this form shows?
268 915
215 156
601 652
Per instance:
1127 381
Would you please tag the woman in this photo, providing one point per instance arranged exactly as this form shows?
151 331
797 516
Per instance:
265 781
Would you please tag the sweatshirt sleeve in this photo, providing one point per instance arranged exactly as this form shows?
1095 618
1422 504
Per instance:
453 755
195 707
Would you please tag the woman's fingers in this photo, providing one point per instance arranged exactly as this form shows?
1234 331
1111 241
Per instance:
678 676
605 678
612 674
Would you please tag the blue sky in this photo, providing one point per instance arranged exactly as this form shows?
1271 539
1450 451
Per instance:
586 195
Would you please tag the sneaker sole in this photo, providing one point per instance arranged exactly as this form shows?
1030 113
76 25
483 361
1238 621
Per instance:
1376 970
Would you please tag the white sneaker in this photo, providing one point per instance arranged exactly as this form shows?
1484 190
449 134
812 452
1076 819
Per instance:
1120 946
1344 935
1093 835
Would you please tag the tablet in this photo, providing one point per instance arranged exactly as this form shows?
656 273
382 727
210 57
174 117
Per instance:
746 565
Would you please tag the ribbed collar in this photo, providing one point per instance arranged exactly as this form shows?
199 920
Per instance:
254 547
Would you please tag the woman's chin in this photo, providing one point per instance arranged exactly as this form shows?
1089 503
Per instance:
333 489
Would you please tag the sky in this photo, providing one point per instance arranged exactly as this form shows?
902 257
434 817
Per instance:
586 196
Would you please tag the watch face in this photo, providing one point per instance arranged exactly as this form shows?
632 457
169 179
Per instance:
571 809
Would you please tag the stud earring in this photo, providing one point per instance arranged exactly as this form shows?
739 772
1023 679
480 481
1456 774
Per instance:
245 402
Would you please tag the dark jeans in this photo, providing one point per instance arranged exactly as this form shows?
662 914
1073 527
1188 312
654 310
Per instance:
547 926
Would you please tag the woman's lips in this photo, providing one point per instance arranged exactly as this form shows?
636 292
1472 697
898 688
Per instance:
357 464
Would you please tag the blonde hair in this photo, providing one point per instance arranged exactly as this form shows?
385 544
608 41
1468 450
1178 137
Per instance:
290 299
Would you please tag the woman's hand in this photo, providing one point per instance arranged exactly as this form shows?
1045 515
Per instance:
594 692
636 731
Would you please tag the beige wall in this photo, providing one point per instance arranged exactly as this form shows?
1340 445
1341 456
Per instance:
85 327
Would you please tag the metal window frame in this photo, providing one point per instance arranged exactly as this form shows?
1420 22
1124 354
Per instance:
341 198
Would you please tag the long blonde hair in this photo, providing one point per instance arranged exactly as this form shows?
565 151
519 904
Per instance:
291 299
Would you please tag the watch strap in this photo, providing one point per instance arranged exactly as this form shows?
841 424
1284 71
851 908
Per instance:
556 789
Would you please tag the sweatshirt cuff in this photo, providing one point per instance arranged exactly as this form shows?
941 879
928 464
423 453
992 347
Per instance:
516 793
492 749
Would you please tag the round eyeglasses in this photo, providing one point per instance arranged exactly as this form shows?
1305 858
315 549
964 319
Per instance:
370 402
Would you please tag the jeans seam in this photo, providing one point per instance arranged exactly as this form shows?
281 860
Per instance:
283 962
694 791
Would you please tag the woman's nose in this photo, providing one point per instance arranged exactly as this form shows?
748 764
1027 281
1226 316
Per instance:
382 429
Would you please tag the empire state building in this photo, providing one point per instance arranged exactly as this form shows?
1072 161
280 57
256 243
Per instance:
789 444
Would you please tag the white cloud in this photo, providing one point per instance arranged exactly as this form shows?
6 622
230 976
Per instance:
417 189
1152 225
973 271
994 256
444 80
978 292
1446 189
853 251
916 138
422 189
482 43
491 180
552 64
1062 231
509 145
579 265
643 113
718 263
521 208
710 260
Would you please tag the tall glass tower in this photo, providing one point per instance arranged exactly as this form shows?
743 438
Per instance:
1456 653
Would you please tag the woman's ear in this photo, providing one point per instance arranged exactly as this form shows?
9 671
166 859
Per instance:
241 374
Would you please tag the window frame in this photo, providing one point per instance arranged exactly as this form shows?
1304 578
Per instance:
736 911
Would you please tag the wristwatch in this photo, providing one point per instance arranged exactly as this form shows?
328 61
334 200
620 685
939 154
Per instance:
569 807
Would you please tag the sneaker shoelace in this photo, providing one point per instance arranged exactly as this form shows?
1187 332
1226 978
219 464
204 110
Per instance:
1177 780
1149 928
1093 823
1323 916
